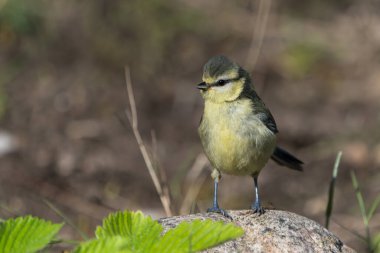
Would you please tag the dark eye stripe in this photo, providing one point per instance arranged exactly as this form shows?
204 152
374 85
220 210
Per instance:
223 82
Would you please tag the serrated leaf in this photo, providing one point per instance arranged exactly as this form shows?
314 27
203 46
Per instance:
197 235
26 234
112 244
140 232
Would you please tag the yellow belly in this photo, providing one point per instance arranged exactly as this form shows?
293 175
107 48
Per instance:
236 143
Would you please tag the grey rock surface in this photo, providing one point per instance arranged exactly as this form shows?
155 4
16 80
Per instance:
274 231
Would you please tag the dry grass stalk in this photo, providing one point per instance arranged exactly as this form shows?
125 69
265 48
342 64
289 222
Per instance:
258 34
161 171
133 120
194 180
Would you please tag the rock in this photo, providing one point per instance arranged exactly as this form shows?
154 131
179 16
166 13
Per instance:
274 231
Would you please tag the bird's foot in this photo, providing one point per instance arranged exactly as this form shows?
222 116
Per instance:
256 208
216 209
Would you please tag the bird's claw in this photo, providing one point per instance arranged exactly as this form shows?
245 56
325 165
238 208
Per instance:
216 209
258 209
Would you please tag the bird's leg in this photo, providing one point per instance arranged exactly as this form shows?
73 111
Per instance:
256 207
215 206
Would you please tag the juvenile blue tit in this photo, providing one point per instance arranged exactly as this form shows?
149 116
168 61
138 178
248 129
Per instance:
237 131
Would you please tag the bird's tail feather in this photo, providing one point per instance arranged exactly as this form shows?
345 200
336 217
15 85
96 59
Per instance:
284 158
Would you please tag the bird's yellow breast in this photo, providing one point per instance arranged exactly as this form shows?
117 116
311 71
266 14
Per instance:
234 139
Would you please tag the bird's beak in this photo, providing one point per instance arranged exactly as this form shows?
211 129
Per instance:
202 86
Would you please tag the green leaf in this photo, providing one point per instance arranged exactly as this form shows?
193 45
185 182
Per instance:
373 208
139 231
330 201
360 199
112 244
376 243
26 234
197 235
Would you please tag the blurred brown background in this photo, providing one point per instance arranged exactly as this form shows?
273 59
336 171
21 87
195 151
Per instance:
63 132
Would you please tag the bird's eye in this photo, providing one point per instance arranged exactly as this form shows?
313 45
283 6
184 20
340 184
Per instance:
221 82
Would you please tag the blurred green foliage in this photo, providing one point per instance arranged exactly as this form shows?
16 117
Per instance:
3 101
302 58
315 8
145 31
112 32
23 17
57 35
373 241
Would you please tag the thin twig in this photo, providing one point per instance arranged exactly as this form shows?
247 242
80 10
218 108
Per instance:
161 172
132 117
65 218
154 146
361 237
258 34
8 210
193 176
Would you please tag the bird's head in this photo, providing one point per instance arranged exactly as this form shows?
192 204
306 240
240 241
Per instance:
223 80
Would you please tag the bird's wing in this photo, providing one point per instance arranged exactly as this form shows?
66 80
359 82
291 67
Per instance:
268 120
260 110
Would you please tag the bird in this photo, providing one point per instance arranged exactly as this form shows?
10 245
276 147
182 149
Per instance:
237 130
